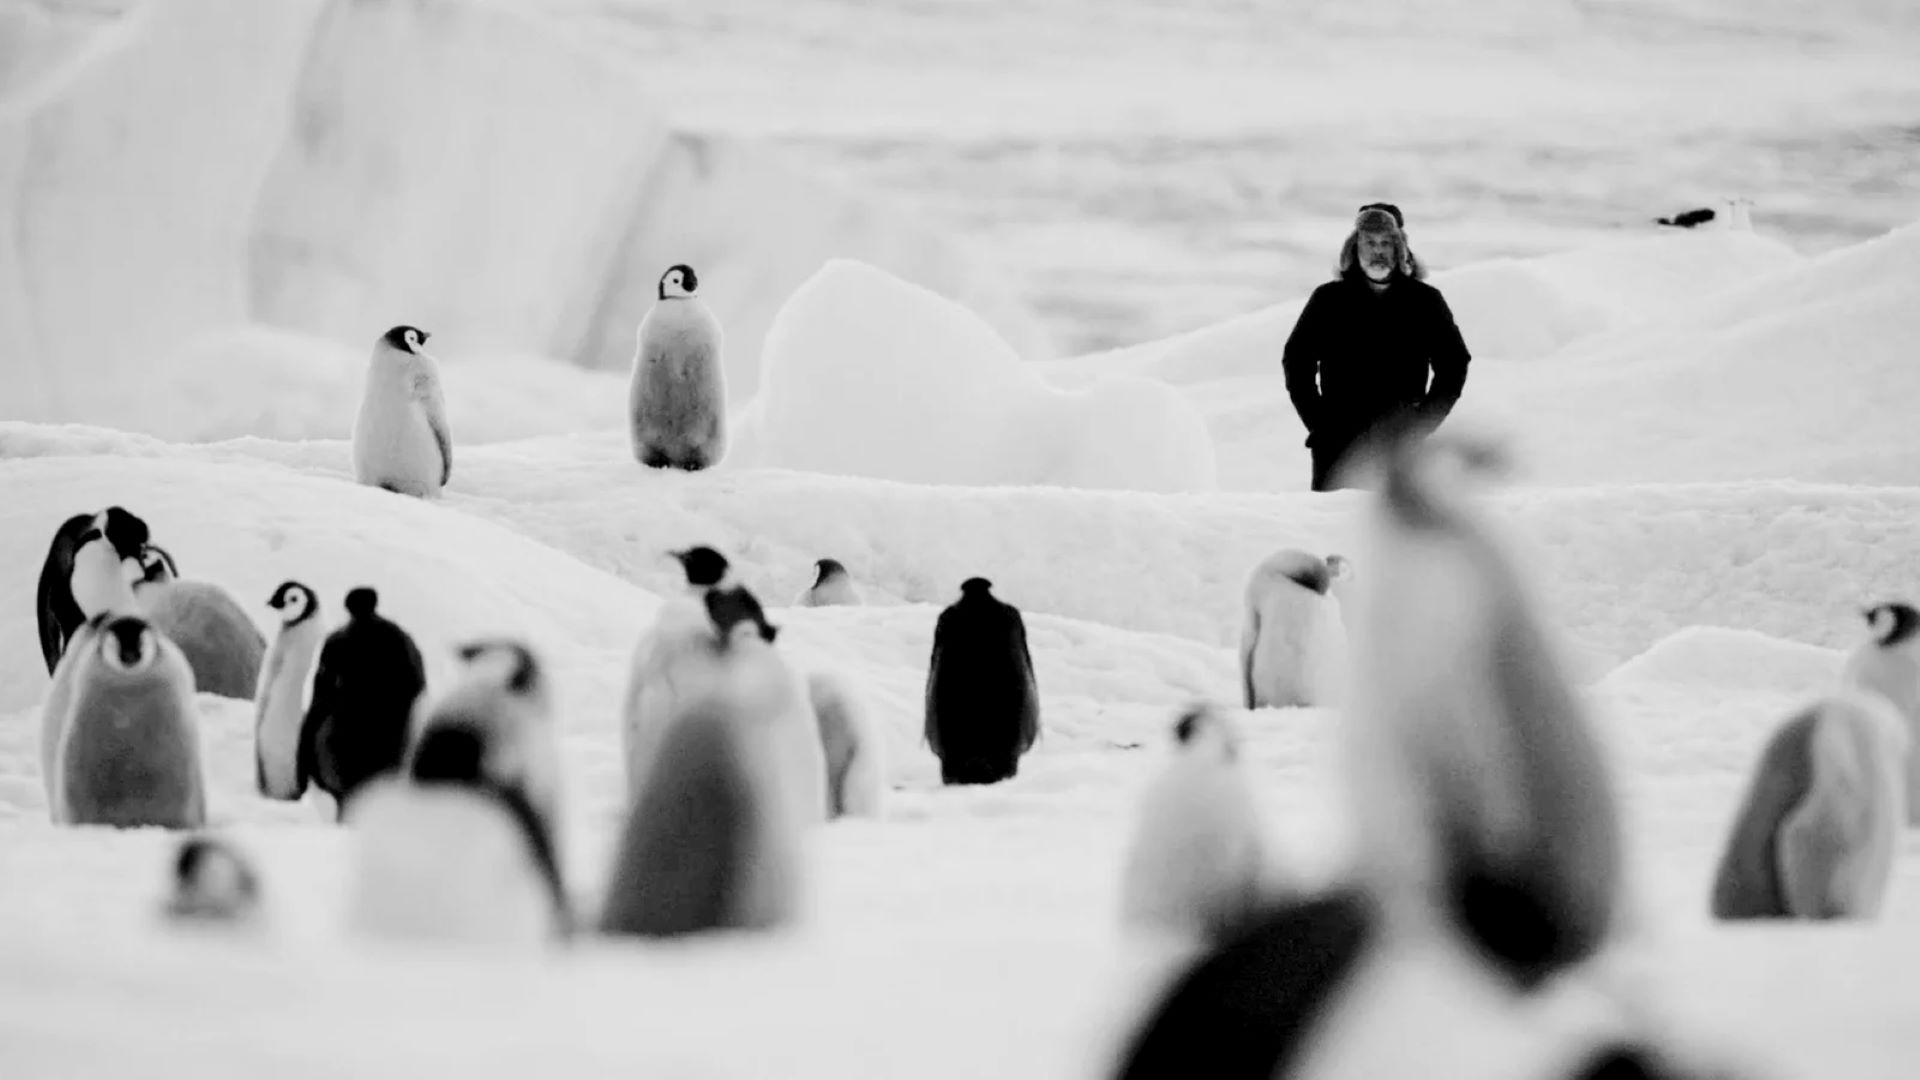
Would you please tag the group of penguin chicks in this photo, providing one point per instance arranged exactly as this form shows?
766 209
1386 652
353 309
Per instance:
676 397
729 748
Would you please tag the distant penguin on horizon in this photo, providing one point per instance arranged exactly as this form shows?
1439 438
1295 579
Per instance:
1198 852
677 392
832 586
1816 835
280 702
982 702
221 643
212 883
124 732
714 832
1888 663
450 850
360 718
71 592
401 441
853 745
1486 883
1734 215
1293 637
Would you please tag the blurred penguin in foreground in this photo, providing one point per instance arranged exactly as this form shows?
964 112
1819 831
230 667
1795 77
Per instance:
1361 353
1471 936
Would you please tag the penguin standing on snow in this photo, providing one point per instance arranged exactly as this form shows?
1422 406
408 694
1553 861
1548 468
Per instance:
68 596
1293 639
713 836
503 691
983 705
681 628
125 737
280 700
1888 663
212 883
677 397
454 851
1816 834
1198 851
832 586
222 645
360 718
855 750
401 441
1488 862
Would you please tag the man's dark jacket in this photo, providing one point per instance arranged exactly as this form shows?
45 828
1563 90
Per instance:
1357 358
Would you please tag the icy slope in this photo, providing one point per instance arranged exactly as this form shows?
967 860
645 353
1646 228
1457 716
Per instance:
336 168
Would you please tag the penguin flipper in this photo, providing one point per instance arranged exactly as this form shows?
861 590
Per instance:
434 406
1249 637
1818 836
55 606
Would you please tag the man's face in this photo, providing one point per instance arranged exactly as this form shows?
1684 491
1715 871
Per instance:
1376 252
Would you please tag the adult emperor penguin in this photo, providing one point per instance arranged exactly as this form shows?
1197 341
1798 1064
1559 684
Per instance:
212 883
832 586
70 591
1816 834
221 643
453 851
401 441
1293 639
126 739
1487 856
854 748
677 396
503 692
713 837
1198 850
360 719
280 702
1888 663
983 705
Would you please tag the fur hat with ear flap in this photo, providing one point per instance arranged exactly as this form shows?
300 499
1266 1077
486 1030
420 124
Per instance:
1382 218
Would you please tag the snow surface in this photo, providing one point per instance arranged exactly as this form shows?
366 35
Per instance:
868 375
332 168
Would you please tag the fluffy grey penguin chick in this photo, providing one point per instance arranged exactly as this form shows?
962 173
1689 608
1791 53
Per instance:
401 441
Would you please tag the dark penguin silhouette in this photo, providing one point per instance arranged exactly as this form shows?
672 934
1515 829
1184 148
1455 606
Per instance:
58 612
1687 220
1466 717
358 720
983 707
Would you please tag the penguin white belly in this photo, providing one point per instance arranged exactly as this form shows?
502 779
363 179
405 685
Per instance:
443 864
393 444
282 712
1300 652
1836 849
1898 680
1196 861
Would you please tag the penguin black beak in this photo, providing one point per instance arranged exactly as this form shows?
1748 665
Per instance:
424 336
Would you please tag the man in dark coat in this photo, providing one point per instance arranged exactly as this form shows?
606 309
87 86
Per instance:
1361 352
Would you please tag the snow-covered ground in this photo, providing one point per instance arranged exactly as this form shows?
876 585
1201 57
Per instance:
1716 469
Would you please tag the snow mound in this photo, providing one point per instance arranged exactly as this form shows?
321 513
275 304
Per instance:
1719 656
335 168
870 375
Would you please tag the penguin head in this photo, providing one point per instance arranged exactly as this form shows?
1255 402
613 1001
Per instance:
1201 728
976 588
156 566
406 339
826 570
127 643
362 602
518 668
128 534
294 601
737 609
1893 623
705 567
212 881
450 753
678 282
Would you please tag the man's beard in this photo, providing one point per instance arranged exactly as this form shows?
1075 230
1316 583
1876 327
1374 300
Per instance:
1379 270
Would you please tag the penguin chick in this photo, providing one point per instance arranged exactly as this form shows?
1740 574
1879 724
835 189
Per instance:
504 692
221 643
1815 835
677 392
365 684
832 586
126 734
1888 663
90 566
449 853
1292 637
280 698
212 883
1197 854
401 441
855 749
